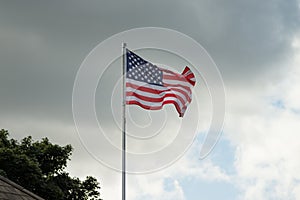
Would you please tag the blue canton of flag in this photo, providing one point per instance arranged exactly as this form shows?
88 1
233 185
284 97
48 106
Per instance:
141 70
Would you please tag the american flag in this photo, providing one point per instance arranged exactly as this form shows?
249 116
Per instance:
152 87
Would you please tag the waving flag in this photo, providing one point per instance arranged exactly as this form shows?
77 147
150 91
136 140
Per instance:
152 87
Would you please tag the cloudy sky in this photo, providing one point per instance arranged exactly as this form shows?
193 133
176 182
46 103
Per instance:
255 44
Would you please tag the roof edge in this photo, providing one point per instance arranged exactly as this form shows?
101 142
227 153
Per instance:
20 188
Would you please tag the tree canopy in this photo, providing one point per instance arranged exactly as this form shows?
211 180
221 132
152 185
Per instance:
39 167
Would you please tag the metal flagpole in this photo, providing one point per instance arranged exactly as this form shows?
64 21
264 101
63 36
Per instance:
124 126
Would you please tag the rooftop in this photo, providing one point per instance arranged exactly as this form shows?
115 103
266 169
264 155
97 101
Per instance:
10 190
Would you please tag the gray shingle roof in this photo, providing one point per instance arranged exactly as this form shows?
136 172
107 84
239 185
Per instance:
12 191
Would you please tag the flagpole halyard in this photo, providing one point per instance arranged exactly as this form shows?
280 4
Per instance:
124 123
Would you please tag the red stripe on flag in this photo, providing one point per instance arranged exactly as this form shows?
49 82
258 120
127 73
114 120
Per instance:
158 99
172 77
158 92
146 89
134 102
177 86
186 70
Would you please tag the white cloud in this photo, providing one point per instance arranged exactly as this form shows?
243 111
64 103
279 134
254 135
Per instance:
190 167
267 136
151 187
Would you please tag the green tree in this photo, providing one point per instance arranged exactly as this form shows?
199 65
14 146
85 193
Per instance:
39 167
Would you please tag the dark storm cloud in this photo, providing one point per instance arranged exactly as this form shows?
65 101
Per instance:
44 43
248 37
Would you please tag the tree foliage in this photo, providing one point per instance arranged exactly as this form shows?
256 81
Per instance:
39 167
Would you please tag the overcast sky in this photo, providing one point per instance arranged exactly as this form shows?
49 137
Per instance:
255 44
